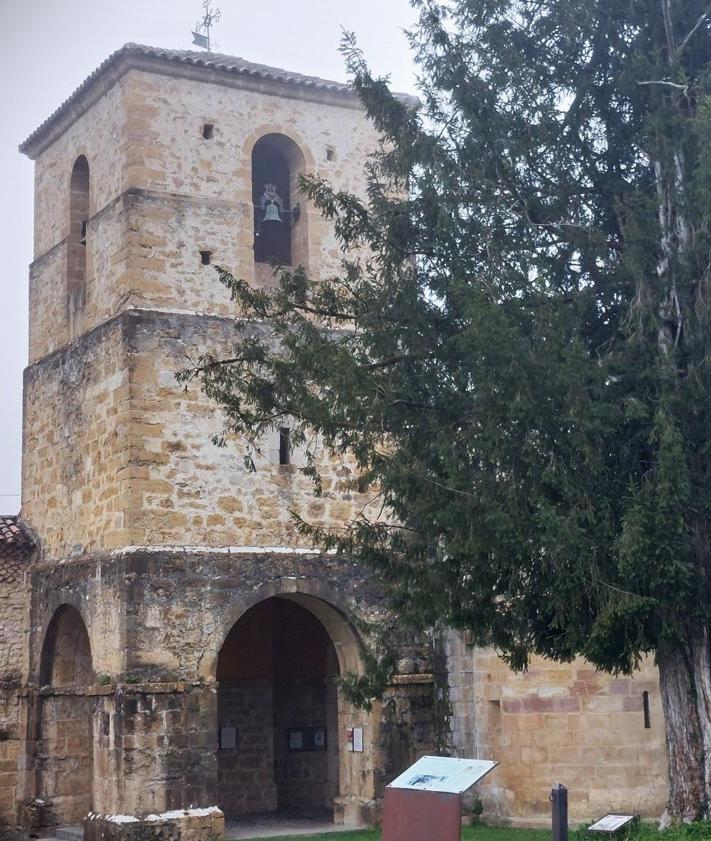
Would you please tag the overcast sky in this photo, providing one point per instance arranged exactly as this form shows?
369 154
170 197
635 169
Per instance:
50 46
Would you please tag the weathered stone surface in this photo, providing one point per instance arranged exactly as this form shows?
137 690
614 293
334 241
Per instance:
557 722
153 544
180 825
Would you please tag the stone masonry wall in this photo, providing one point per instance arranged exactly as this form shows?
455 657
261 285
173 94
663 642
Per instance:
245 773
155 711
76 414
13 610
160 193
184 489
118 453
557 722
64 756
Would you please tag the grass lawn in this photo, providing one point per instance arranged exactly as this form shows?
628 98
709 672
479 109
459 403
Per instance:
694 832
477 833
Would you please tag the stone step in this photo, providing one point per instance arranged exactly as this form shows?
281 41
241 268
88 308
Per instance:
69 833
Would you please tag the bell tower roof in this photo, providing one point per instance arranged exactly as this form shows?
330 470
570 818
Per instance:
200 66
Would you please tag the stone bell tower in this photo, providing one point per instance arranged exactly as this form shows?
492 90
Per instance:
184 641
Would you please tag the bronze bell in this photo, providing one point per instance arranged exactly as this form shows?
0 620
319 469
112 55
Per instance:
271 213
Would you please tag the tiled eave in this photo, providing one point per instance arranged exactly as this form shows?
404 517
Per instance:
16 544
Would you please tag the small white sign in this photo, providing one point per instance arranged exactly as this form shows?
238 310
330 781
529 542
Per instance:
443 773
611 823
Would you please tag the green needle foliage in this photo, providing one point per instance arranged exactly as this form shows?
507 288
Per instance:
515 352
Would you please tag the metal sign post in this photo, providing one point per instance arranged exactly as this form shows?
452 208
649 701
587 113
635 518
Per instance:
559 810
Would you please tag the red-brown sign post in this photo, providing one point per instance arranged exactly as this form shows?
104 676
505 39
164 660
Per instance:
424 803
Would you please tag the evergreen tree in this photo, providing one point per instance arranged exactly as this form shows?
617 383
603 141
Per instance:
516 351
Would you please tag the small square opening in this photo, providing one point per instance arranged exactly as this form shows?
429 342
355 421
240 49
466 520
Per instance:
206 257
208 130
330 153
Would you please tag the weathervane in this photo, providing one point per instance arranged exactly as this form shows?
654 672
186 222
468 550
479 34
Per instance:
209 18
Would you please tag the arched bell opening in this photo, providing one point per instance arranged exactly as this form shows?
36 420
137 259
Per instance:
277 709
280 228
65 748
77 243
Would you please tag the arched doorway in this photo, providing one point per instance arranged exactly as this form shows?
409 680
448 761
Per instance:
277 712
66 744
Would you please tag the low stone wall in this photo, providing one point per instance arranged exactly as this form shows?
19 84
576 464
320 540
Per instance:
179 825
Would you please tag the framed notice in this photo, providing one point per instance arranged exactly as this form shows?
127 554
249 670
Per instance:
306 738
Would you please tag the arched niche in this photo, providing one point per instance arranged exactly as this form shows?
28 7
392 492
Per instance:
77 242
65 747
280 228
66 652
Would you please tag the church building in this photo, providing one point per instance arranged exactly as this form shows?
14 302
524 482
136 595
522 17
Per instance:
167 638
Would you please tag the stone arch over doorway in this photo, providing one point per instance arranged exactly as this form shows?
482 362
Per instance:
281 718
66 740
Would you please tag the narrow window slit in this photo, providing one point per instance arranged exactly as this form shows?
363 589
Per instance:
284 445
206 257
645 709
330 153
208 131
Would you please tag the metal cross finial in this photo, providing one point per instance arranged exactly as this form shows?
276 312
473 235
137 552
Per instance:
205 24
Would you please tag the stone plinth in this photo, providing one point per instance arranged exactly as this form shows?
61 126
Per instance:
179 825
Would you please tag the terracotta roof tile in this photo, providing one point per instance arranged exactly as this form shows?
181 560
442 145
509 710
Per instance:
210 61
15 542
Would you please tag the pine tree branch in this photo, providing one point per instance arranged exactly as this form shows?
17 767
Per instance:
666 83
704 17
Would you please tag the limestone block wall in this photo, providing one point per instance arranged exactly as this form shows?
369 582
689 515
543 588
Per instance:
100 135
159 193
154 710
184 489
168 155
108 279
245 773
75 422
301 776
66 731
558 722
13 626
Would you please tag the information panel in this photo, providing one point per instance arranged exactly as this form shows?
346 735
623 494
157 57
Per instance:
443 774
611 823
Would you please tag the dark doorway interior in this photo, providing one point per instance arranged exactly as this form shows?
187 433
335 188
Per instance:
277 713
66 744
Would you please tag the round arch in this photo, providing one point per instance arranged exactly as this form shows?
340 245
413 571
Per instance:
65 766
288 133
66 657
320 600
280 229
279 704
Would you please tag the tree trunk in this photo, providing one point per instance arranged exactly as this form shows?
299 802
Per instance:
685 683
